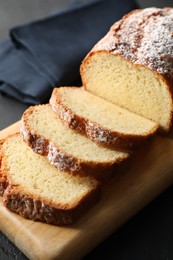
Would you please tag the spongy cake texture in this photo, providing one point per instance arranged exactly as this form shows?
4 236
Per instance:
99 119
68 150
132 65
38 190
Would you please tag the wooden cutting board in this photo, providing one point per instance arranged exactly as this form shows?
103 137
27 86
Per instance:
148 174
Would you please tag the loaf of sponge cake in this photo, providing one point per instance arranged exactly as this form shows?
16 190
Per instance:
132 66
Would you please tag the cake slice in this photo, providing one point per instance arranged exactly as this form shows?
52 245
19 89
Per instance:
39 191
99 119
132 65
65 148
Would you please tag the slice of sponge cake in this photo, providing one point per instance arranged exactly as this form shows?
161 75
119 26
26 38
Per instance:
99 119
39 191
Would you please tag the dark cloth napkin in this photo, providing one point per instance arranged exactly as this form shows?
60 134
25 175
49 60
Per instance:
47 53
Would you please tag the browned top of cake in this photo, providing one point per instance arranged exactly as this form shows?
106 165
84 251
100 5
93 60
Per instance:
143 37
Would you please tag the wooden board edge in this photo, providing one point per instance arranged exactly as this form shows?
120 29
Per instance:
12 129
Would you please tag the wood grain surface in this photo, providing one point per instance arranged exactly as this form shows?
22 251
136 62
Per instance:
148 173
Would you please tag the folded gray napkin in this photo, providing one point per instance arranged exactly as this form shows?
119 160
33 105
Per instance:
47 53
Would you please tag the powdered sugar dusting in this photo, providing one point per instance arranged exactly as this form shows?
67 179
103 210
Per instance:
62 161
144 37
97 134
23 131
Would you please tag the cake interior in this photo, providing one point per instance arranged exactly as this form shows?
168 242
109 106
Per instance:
104 113
130 86
47 124
37 177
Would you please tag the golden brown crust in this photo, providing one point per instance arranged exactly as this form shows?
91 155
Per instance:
36 209
143 37
3 177
3 183
62 160
95 131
